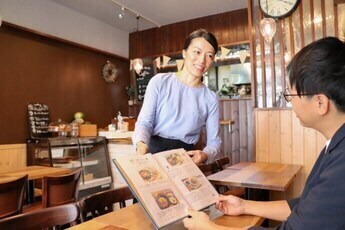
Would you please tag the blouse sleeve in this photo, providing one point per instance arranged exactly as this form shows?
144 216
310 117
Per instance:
146 119
213 145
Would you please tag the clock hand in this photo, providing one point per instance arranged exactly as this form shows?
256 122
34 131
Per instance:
286 2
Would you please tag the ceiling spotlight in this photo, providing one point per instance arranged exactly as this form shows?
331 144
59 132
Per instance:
122 14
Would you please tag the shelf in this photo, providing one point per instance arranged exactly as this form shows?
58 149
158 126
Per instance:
76 164
95 183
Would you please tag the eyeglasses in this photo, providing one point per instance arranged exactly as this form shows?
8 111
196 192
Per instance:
288 96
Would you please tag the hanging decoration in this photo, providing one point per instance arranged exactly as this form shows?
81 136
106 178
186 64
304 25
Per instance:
243 56
158 62
109 72
166 60
224 51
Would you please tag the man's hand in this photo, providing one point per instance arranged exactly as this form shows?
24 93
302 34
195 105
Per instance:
198 221
231 205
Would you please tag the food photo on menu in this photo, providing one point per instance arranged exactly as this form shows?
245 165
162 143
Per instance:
193 182
149 174
174 159
165 198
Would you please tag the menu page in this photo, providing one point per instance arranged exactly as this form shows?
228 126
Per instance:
154 189
188 178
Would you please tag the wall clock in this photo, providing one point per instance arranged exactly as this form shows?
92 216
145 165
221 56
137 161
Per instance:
109 72
278 8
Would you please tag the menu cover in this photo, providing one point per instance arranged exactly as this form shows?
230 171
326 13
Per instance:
166 184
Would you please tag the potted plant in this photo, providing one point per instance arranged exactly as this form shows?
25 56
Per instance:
131 94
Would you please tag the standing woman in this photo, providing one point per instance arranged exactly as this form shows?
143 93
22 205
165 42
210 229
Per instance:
178 105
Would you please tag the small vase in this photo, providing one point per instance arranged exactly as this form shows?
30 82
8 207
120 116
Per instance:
130 102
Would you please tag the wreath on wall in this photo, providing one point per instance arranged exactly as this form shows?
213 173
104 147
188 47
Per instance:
109 72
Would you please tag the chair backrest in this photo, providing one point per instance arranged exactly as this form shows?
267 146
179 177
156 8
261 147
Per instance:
208 169
222 163
62 189
102 202
11 196
42 218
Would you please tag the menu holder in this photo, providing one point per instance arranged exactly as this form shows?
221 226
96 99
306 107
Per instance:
166 184
39 121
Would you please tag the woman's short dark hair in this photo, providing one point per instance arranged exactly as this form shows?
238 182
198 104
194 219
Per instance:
202 33
320 68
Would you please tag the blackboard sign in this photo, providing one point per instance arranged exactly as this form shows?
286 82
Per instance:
143 80
38 120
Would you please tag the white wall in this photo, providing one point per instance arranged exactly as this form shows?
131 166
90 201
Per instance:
56 20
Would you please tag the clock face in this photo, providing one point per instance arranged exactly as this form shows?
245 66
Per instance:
278 8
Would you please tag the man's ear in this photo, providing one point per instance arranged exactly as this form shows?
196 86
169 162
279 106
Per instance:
323 103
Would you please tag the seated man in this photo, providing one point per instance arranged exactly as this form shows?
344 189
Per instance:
317 94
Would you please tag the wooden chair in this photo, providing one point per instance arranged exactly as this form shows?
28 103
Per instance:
43 218
224 190
58 190
101 203
222 163
12 196
208 169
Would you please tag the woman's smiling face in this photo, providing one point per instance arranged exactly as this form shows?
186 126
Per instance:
198 57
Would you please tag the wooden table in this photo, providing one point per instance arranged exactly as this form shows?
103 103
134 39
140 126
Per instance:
254 175
134 217
34 172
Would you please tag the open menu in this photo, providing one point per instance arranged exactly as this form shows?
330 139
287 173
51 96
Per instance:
166 184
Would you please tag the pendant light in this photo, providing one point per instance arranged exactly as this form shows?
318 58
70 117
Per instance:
268 27
138 64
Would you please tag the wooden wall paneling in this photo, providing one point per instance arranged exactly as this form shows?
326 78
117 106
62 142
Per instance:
238 144
235 135
251 131
313 34
252 55
323 14
233 28
219 22
226 135
243 130
297 145
274 131
301 24
12 157
262 136
66 77
286 137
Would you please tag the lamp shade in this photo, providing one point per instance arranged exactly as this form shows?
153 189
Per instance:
138 65
268 28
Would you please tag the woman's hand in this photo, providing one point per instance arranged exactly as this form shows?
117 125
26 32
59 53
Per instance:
142 148
198 221
197 156
231 205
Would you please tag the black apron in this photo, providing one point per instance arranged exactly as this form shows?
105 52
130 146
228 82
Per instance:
159 144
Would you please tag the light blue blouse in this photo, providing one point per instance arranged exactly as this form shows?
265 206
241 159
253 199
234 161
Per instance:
174 110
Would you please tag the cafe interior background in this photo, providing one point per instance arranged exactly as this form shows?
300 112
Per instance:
53 53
